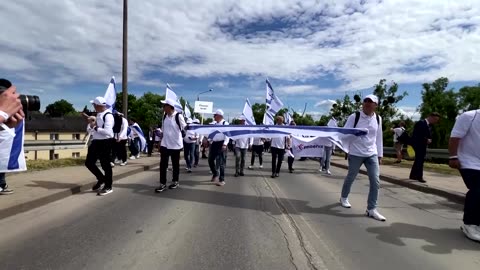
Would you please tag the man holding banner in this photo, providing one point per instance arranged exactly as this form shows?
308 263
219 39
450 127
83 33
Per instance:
279 144
217 153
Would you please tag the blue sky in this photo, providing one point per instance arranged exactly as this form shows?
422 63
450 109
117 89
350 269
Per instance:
312 51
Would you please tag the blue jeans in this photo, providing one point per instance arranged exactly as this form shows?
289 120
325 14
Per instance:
373 171
3 183
189 153
327 154
217 159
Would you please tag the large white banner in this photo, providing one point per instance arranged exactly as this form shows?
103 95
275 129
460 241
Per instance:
308 147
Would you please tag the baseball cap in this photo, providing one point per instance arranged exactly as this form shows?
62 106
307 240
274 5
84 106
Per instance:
218 112
169 102
196 121
99 101
4 84
372 98
189 121
242 117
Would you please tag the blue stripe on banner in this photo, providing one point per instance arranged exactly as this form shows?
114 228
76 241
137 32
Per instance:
16 148
138 129
270 116
264 128
269 85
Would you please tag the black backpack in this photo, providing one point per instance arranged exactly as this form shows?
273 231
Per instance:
117 126
177 119
404 138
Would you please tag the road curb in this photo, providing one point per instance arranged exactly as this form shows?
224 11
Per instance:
456 197
23 207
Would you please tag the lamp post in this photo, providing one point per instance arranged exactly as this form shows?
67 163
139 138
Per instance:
124 59
198 96
198 99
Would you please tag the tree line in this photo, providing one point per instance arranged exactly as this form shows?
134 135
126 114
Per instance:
436 97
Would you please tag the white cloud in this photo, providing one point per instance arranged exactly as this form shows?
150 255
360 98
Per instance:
303 89
357 44
219 84
325 105
410 112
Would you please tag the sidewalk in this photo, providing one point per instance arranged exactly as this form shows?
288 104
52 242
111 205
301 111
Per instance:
37 188
450 187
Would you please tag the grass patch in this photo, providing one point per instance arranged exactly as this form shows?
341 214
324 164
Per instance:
39 165
432 167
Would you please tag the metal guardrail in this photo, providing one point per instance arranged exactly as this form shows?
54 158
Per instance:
52 145
431 153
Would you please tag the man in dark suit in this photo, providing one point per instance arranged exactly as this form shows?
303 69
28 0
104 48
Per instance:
421 138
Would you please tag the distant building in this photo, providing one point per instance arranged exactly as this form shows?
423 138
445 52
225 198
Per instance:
65 131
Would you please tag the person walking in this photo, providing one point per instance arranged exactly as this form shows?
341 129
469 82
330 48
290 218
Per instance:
290 158
397 132
190 140
217 153
241 147
256 144
277 149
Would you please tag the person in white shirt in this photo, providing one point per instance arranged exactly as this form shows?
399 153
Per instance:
256 144
397 132
120 150
367 150
171 145
217 153
197 145
241 147
101 146
277 149
291 159
464 152
190 140
134 140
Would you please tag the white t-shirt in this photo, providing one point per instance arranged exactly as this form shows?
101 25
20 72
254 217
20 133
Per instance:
370 144
220 136
190 137
397 132
172 135
467 128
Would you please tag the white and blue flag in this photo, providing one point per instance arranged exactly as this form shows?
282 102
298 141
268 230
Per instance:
170 95
111 94
188 113
248 113
274 104
12 156
139 132
288 118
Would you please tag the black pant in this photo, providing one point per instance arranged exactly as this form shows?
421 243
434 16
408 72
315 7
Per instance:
257 150
471 211
277 159
100 150
217 159
150 147
135 147
290 163
417 169
196 154
119 150
165 154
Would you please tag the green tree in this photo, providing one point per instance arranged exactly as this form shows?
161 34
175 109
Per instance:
60 108
469 97
147 110
436 98
323 121
119 102
258 112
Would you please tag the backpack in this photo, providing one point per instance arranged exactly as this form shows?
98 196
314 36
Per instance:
177 119
357 117
404 138
117 126
103 126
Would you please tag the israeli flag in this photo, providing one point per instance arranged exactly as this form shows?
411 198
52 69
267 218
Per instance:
111 94
248 113
138 130
288 118
12 156
172 96
274 104
188 113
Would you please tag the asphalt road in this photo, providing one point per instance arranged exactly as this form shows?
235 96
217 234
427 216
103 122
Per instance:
253 222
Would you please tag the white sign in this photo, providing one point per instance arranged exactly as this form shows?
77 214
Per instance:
203 107
308 147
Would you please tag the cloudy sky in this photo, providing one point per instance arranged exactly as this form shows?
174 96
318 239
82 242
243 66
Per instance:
311 51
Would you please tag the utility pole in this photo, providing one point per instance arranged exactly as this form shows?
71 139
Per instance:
124 59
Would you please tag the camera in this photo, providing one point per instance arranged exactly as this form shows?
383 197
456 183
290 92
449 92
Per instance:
30 103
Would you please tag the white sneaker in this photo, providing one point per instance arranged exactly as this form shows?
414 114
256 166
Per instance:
261 166
345 203
328 172
250 167
133 157
112 164
471 231
123 163
375 214
320 170
116 161
138 156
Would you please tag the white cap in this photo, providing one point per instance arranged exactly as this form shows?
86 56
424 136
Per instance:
99 101
196 121
169 102
218 112
372 98
189 121
242 117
